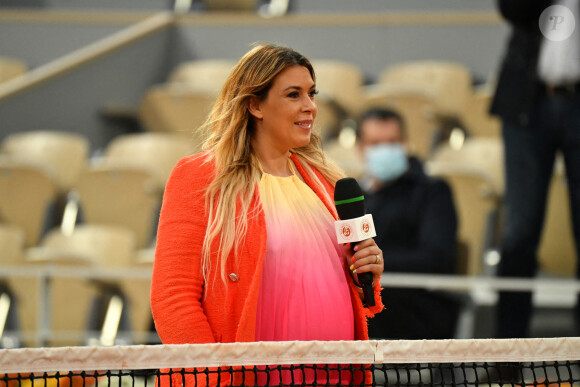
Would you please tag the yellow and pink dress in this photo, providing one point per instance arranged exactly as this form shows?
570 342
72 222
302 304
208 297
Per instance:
304 293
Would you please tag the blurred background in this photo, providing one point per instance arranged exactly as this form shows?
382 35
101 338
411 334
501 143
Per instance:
99 99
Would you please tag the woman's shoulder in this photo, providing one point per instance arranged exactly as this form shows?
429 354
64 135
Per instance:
193 168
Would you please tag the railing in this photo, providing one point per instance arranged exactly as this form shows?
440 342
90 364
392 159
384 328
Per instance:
86 54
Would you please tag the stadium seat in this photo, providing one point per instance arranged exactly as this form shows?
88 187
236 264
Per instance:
120 196
341 81
27 194
417 108
328 119
155 152
65 153
449 82
11 68
209 74
11 245
476 117
231 5
176 108
480 152
74 299
14 292
557 253
477 205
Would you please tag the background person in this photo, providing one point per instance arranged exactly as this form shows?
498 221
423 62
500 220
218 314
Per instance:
416 225
538 101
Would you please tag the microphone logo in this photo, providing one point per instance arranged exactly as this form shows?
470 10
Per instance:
366 227
346 232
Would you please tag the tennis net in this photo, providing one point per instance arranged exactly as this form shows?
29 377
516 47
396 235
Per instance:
520 362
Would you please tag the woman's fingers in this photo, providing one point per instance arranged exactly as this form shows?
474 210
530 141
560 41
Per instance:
368 257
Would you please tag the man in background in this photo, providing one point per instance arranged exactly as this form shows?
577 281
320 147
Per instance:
538 101
416 225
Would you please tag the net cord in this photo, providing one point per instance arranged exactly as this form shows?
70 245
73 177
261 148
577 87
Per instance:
137 357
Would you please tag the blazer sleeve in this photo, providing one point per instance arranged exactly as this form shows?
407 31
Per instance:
177 283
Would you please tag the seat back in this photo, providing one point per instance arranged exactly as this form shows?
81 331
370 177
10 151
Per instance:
178 109
449 82
476 117
342 81
477 205
26 194
209 74
65 153
155 152
120 196
11 245
484 153
557 252
87 248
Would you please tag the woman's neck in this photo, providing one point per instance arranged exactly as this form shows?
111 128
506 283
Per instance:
274 163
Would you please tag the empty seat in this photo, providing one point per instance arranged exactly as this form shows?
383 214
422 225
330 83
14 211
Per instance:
486 154
87 249
27 194
449 82
342 81
477 203
156 152
15 292
120 196
208 74
328 119
557 252
11 245
476 116
231 5
176 108
64 153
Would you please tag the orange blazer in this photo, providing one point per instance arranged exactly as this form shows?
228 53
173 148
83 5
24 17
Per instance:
227 313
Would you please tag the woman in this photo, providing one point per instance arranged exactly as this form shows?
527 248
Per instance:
246 248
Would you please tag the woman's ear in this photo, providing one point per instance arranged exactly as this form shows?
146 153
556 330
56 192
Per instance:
255 108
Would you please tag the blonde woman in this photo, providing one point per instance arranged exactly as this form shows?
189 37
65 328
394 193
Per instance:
246 248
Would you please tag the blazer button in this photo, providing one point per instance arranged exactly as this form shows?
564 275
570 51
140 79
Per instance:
234 277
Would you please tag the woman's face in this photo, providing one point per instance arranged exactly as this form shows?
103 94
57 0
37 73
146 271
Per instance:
284 120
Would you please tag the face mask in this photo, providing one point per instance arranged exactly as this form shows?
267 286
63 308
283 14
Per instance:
386 162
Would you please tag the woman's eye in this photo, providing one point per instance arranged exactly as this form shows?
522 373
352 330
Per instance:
313 93
294 94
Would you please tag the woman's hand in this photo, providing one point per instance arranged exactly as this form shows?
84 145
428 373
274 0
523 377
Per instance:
366 258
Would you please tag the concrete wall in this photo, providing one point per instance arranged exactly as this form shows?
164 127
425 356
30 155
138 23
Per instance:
373 47
38 41
73 101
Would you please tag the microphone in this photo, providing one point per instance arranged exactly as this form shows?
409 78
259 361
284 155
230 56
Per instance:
354 225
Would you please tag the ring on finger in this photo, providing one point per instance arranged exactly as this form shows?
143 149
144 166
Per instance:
378 259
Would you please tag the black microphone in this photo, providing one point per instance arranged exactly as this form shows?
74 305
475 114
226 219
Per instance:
349 202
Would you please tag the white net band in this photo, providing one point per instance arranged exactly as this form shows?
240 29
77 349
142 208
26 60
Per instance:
268 353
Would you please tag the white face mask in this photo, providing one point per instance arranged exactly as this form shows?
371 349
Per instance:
386 162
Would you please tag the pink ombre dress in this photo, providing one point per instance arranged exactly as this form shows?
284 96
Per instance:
304 293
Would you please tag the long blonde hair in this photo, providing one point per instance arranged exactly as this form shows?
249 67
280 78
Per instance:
230 128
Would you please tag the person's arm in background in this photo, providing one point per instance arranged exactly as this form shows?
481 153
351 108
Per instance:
523 13
177 283
435 247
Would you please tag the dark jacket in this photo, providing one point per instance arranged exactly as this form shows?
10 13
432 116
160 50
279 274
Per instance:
518 83
416 224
